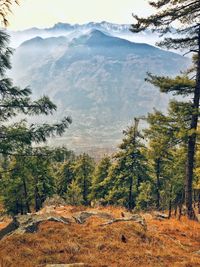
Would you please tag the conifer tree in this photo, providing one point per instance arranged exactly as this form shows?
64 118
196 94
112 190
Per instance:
187 15
99 188
65 177
17 136
13 101
31 178
83 170
130 169
74 194
5 10
167 137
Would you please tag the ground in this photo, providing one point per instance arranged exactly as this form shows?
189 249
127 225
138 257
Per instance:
164 243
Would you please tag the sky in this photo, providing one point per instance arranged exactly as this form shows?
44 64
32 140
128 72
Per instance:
45 13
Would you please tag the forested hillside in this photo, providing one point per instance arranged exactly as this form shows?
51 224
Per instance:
137 206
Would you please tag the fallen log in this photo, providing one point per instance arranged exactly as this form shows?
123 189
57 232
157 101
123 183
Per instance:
134 218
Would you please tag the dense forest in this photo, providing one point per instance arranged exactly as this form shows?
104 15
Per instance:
154 168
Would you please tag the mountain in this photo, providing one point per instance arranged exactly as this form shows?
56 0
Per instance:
96 78
75 30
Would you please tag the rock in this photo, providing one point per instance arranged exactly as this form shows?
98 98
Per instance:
47 209
133 217
198 217
139 219
81 217
98 202
11 227
55 200
105 215
160 216
29 223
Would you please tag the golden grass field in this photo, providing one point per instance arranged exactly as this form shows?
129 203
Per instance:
164 243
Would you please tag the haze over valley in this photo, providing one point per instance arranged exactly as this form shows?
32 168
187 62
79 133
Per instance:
95 73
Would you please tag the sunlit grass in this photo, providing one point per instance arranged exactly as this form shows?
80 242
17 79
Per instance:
165 243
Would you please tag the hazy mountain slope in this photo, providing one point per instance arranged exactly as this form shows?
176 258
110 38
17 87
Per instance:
71 31
97 79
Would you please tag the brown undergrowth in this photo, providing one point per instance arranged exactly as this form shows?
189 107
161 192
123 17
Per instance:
165 243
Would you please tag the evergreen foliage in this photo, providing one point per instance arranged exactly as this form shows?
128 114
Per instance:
99 189
74 194
83 170
148 170
131 168
15 101
187 14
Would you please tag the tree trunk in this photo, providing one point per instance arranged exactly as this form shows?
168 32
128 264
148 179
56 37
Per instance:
170 203
21 207
36 194
158 183
180 211
175 211
85 190
26 196
194 199
130 197
37 199
199 202
192 142
17 207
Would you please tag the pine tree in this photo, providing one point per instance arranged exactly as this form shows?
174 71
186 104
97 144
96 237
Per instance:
17 136
5 10
187 14
98 188
144 199
28 183
159 138
74 194
15 188
83 171
115 191
167 136
130 169
65 177
13 101
42 178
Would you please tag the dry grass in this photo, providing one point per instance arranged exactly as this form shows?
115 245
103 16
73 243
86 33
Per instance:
165 243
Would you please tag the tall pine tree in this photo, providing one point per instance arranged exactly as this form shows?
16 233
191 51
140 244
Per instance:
186 13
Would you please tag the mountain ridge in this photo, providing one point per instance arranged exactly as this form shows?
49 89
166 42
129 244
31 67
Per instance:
67 29
96 78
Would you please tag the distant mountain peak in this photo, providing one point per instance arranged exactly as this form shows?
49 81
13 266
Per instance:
98 34
105 30
34 41
62 26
